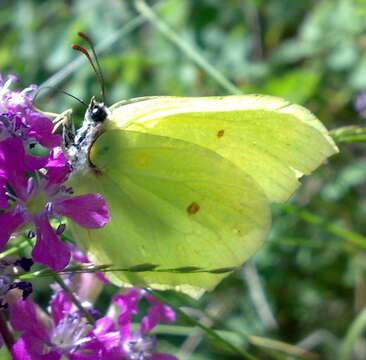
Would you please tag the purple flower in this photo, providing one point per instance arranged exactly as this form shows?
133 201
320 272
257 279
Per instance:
157 313
31 187
41 201
121 342
21 119
12 167
65 333
58 168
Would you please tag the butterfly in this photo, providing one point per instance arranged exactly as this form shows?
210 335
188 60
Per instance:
189 182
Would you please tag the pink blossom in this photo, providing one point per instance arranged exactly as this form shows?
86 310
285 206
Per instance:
32 189
66 333
120 342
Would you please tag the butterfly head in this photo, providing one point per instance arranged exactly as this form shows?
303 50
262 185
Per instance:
78 144
97 112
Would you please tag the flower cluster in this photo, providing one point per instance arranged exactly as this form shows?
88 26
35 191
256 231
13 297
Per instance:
33 195
120 342
34 200
66 333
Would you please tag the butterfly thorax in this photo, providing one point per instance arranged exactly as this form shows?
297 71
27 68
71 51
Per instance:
92 126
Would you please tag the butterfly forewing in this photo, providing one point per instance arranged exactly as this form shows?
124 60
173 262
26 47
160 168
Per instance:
268 138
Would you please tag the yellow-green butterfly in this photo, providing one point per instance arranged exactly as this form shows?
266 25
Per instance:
189 182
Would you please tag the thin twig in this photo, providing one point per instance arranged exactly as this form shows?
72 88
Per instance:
215 309
214 335
258 295
6 335
187 48
100 48
74 298
282 347
349 134
317 338
311 218
353 334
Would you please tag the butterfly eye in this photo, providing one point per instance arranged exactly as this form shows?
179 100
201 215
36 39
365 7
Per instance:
98 113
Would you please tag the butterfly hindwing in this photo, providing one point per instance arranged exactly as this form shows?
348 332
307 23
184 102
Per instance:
175 205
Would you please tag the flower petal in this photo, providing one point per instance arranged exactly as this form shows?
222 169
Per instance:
157 313
128 302
49 249
128 306
19 351
110 341
89 211
34 163
23 317
58 167
106 335
41 129
9 222
108 338
13 165
60 306
103 326
23 349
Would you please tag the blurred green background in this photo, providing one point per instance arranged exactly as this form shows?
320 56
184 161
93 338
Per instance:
308 283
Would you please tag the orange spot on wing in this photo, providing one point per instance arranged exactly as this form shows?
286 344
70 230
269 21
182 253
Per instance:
220 133
193 208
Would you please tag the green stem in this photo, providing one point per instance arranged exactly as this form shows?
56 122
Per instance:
345 234
349 134
214 335
187 48
14 249
353 333
134 269
74 298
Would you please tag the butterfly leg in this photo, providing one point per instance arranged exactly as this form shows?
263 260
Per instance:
68 128
68 132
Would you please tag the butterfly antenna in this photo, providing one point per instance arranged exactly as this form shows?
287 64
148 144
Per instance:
74 97
92 47
58 90
87 55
